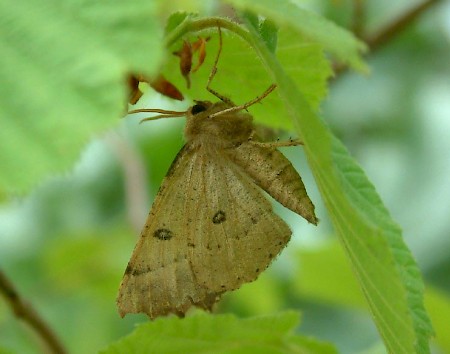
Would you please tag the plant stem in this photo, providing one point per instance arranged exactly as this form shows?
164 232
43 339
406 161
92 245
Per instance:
190 25
26 312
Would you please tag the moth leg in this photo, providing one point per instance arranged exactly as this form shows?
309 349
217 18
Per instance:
245 105
213 73
277 144
225 99
252 136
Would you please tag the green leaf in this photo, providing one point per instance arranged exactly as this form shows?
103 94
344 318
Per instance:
5 351
339 42
63 69
204 333
384 267
266 28
325 275
269 33
438 306
175 20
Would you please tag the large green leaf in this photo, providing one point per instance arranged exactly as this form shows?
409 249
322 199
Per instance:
437 304
204 333
326 276
384 267
62 69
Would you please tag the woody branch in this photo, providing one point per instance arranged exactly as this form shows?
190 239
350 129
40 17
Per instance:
387 33
27 313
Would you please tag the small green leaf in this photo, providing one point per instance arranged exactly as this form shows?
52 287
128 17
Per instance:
339 42
203 333
266 28
174 20
269 34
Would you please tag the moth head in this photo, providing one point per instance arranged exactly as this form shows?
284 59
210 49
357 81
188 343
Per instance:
211 121
199 107
204 109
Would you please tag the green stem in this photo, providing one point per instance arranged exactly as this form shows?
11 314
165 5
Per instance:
190 25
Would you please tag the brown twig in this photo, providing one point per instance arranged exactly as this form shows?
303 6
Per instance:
359 17
388 32
24 311
135 177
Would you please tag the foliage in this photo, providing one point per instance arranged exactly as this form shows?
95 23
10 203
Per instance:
74 57
220 334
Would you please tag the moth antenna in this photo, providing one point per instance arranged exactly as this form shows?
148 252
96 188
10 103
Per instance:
245 105
214 71
164 113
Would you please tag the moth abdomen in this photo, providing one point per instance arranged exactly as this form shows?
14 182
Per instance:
274 173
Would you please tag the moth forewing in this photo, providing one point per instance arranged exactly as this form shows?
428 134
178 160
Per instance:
237 234
159 278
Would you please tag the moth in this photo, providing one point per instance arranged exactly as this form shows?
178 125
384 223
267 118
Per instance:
211 228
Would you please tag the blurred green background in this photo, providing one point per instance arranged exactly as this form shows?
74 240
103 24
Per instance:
66 244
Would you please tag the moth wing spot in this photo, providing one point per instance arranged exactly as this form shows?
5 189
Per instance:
163 234
219 217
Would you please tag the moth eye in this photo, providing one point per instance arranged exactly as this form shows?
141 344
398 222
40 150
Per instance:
163 234
219 217
197 109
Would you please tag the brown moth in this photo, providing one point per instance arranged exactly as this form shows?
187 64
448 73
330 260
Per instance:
210 228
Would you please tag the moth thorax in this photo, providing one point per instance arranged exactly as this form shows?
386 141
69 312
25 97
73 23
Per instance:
224 129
